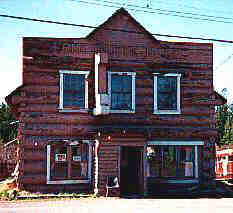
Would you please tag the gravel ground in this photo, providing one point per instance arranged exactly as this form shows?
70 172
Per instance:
117 205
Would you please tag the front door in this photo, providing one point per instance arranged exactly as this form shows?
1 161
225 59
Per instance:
131 170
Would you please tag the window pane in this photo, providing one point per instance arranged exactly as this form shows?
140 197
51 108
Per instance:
186 161
167 93
59 162
121 92
154 161
121 101
79 163
169 161
127 84
116 83
73 90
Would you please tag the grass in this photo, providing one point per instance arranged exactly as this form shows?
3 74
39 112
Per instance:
14 195
60 195
9 191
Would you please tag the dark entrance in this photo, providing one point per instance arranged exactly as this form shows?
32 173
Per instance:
131 171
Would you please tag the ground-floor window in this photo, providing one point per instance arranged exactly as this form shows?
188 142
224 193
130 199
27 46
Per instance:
69 162
172 161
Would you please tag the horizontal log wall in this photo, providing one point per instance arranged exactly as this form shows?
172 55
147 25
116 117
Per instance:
45 188
33 164
108 165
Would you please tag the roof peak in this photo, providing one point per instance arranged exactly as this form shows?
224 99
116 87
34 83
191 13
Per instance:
123 11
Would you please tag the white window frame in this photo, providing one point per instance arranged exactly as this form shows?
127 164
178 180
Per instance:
156 110
49 181
182 143
133 74
61 107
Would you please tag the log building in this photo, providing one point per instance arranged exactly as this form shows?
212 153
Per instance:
117 103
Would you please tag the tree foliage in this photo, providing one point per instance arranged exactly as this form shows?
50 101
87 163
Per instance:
8 127
224 123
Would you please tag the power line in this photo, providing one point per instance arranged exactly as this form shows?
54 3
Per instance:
157 12
225 61
163 10
191 7
113 29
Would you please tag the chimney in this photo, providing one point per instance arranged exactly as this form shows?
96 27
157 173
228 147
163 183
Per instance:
101 95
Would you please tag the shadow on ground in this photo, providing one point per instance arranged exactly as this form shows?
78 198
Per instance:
224 189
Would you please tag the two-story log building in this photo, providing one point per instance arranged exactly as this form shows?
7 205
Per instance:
117 103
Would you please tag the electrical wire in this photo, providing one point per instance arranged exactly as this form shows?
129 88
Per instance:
162 10
191 7
225 61
114 29
154 12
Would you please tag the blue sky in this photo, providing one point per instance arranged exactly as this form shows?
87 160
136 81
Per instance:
74 11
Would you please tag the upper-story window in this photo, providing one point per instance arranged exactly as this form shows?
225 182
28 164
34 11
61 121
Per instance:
73 90
167 94
121 89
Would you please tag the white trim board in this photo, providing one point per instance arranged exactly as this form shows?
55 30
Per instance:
196 162
181 181
67 181
181 143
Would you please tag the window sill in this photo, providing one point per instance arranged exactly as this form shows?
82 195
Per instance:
67 181
73 110
164 112
174 180
122 111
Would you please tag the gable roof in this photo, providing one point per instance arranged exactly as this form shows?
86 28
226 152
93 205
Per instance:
123 12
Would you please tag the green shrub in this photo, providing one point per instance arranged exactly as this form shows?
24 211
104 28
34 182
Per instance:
8 195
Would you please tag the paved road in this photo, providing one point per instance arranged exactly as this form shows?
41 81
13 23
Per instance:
115 205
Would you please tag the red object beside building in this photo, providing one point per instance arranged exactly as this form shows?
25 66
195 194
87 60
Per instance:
224 162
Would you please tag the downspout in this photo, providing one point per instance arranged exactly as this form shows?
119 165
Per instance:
96 167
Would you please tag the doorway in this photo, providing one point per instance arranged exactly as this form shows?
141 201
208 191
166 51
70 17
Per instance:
131 171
